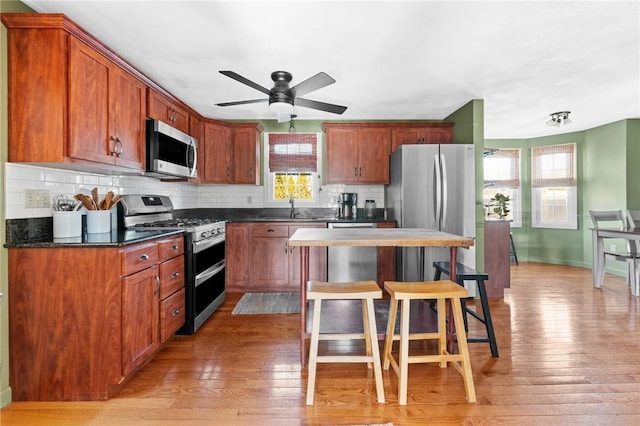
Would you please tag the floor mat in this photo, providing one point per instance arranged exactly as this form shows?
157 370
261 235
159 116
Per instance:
268 303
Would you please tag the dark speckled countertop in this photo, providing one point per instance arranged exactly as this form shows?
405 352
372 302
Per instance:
38 233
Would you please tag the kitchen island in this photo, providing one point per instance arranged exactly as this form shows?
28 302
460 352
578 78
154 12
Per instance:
363 237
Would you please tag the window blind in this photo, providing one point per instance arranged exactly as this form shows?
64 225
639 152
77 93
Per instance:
553 166
293 152
502 168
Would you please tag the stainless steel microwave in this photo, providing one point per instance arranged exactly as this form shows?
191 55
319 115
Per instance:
170 152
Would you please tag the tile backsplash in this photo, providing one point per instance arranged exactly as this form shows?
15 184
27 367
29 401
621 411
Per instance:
18 177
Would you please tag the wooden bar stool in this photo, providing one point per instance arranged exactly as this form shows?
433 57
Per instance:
364 290
463 273
441 291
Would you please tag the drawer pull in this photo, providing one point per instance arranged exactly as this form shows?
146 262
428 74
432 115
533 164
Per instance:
175 275
176 312
270 230
144 257
174 247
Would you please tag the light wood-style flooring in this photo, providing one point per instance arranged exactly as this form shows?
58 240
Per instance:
569 355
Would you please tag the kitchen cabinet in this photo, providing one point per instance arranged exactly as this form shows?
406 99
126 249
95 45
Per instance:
246 138
106 110
72 102
231 152
161 108
357 153
237 256
497 260
216 148
259 257
84 320
427 133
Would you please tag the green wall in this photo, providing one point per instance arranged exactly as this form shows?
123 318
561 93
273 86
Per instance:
606 176
469 129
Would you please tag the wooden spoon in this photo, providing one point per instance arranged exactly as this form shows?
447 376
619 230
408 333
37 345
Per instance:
96 199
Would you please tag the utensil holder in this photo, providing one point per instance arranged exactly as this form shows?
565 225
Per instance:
67 224
98 221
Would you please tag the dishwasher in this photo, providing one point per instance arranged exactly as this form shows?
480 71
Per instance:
352 263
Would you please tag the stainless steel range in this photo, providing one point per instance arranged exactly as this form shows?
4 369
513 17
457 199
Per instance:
204 252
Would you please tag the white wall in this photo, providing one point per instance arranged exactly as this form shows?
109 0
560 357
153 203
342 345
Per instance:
19 177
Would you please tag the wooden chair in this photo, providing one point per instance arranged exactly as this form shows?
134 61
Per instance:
441 291
364 290
618 218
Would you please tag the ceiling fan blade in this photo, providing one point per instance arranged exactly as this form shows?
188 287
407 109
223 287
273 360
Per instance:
316 82
283 118
336 109
252 101
246 81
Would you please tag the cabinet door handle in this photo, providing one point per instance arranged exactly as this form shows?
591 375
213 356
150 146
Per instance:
113 151
118 144
286 248
251 171
157 285
144 257
176 312
175 275
355 171
360 171
228 172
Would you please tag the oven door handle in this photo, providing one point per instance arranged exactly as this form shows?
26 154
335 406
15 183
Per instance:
205 275
205 244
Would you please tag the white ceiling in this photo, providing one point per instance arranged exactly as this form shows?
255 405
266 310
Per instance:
391 59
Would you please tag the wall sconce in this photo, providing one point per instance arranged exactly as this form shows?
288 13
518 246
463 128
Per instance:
558 119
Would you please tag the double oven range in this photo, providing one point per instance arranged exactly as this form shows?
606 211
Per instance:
204 252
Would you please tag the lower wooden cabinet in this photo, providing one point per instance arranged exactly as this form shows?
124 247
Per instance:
83 320
259 257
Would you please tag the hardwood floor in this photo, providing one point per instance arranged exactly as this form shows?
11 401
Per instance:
569 355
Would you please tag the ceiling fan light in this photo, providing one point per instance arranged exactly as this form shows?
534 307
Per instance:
280 107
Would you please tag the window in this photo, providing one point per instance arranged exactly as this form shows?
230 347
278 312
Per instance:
502 176
292 164
553 186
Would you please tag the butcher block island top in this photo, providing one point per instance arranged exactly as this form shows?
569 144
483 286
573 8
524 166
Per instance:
377 237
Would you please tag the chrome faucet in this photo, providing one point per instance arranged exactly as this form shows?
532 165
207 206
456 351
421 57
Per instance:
293 210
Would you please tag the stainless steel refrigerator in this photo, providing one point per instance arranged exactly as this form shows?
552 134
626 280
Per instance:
432 186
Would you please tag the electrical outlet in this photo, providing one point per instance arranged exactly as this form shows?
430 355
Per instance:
249 199
36 199
613 248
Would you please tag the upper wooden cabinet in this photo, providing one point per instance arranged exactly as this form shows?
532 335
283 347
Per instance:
245 139
106 110
412 133
230 152
161 108
71 101
216 153
357 153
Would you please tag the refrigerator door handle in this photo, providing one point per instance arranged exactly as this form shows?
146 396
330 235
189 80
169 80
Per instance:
437 205
445 191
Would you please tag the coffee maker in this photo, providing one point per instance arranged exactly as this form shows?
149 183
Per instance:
348 202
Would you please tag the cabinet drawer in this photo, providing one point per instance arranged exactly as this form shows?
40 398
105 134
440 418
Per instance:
171 315
171 276
171 247
139 257
270 230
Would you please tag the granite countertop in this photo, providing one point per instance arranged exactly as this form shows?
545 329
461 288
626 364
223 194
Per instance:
115 238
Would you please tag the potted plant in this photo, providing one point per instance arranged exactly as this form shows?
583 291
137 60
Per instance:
499 205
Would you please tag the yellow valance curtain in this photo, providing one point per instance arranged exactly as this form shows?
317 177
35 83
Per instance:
502 168
293 152
553 166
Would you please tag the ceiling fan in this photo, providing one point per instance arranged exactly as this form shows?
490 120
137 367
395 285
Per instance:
282 98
